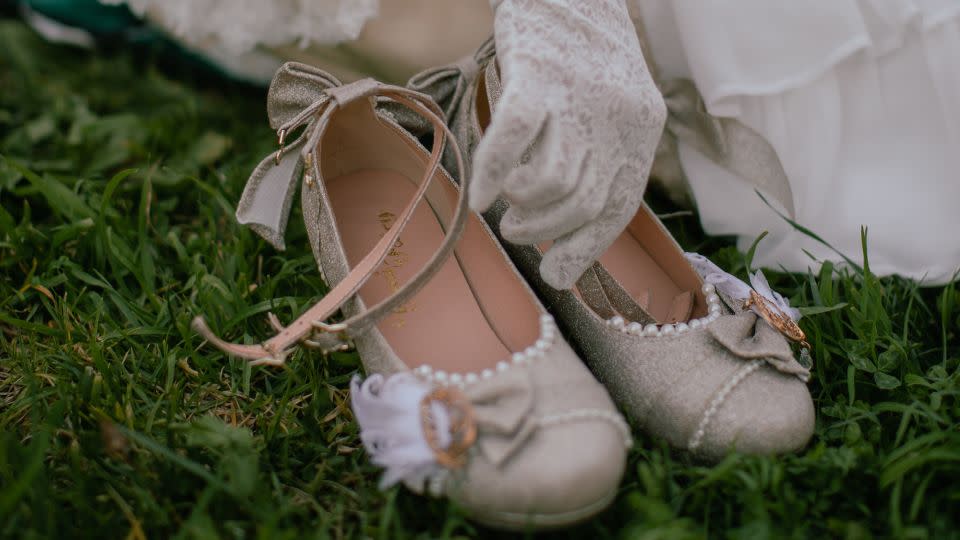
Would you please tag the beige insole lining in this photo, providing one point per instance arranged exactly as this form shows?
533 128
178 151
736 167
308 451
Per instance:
648 265
442 325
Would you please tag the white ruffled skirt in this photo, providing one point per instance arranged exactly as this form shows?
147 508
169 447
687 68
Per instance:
860 99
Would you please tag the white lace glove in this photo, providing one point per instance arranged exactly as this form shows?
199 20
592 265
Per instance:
581 116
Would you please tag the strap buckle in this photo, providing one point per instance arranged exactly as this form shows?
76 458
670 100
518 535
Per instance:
329 338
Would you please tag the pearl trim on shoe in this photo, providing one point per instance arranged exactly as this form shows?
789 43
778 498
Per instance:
548 336
714 310
718 400
591 414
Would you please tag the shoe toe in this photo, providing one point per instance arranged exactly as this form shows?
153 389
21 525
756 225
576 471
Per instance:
566 472
765 413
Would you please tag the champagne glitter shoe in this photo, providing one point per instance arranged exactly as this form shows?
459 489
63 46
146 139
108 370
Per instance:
472 393
689 352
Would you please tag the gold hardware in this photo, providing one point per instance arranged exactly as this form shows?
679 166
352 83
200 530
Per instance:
326 349
776 318
327 344
308 165
463 428
336 328
281 135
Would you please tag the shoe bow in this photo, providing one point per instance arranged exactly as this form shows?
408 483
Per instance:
391 414
302 96
448 84
747 334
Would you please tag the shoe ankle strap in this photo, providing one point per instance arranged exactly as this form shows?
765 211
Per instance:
301 95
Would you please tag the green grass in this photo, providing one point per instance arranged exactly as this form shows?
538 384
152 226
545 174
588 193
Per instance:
117 185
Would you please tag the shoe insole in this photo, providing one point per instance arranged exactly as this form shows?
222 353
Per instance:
442 325
627 260
632 260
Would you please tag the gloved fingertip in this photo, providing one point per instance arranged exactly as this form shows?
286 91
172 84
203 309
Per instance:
510 234
481 195
559 275
519 235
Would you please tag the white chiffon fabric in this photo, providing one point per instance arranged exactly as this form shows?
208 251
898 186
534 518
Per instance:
237 26
860 99
231 32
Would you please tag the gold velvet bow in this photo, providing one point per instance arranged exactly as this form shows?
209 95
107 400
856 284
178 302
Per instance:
750 337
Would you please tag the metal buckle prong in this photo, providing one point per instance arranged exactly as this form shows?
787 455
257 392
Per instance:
340 332
281 135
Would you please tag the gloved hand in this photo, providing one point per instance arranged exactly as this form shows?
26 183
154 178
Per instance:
581 116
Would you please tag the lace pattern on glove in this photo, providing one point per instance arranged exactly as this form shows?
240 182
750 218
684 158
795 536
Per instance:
575 130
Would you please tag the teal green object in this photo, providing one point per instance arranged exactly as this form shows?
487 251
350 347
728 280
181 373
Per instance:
90 15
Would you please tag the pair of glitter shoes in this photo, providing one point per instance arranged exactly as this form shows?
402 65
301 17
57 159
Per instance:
472 391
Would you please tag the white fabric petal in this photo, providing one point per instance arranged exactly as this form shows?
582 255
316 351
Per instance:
735 289
725 283
388 412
